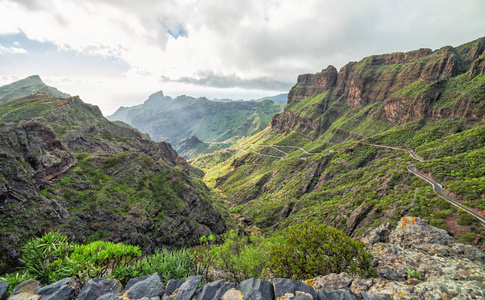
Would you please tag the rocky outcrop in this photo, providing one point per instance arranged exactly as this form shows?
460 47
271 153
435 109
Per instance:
311 84
416 261
406 84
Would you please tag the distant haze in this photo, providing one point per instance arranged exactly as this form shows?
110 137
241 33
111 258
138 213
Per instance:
117 53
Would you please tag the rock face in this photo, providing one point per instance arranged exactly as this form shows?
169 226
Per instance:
445 270
65 166
405 84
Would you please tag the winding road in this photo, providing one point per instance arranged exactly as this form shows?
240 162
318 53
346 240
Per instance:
438 188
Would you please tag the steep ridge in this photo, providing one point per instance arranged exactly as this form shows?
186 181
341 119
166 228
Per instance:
176 119
64 166
27 87
403 86
430 101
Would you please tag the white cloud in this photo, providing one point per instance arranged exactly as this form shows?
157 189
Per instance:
12 50
242 40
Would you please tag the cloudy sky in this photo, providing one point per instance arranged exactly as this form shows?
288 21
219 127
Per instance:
118 52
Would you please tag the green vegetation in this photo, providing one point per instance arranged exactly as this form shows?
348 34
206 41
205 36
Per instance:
243 256
311 250
413 274
42 254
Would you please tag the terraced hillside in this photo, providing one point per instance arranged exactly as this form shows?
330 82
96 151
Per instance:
317 160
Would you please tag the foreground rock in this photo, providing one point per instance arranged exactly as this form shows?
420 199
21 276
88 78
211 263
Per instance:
415 261
98 287
25 290
4 286
148 287
65 289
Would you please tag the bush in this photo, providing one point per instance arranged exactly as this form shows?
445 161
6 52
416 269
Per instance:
40 255
168 264
244 257
15 279
94 259
312 250
466 219
468 237
51 258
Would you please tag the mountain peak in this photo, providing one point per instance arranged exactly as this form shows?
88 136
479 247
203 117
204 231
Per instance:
33 78
27 87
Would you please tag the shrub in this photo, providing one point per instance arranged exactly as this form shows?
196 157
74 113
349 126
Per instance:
468 237
244 257
413 274
168 264
311 250
15 279
94 259
466 219
203 257
41 253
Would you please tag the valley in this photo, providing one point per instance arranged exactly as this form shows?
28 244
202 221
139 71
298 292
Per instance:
381 143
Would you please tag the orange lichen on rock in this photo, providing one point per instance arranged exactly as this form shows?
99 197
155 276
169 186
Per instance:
407 220
310 282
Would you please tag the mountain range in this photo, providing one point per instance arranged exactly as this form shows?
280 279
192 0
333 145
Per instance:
176 120
338 154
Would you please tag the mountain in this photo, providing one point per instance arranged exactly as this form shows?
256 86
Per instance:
64 167
27 87
176 119
280 99
339 152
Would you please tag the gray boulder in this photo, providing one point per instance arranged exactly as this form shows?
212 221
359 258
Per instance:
253 289
4 286
109 296
172 286
367 296
132 281
344 294
187 290
302 297
65 289
214 290
98 287
149 288
287 286
25 290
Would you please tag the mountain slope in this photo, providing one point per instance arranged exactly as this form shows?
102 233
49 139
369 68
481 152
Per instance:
321 159
176 119
26 87
65 167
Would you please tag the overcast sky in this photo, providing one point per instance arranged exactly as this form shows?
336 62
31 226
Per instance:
118 52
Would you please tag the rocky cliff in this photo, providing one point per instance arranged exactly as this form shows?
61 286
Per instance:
397 88
72 170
